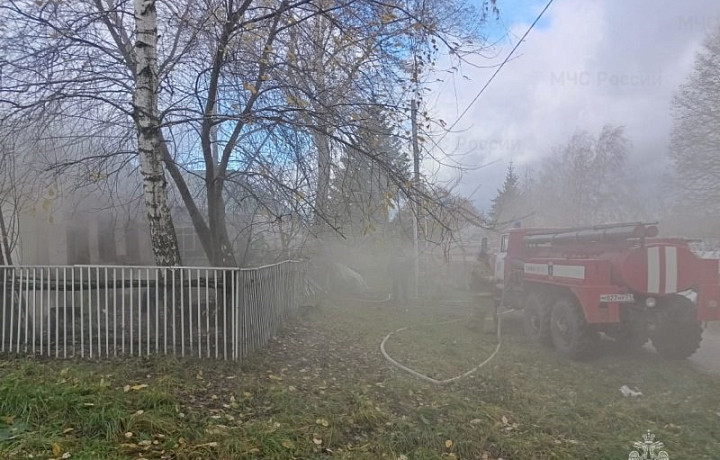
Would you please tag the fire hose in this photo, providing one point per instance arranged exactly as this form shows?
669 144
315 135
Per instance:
452 379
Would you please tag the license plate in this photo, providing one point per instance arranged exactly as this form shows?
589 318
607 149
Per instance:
617 298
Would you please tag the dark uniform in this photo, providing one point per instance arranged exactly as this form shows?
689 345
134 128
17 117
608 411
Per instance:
482 282
399 273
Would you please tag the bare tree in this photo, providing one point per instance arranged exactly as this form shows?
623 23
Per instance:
586 181
225 92
695 140
149 136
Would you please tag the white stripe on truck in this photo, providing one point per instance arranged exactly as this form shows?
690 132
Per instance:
653 264
670 269
562 271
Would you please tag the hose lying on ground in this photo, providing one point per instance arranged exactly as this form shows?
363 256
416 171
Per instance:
430 379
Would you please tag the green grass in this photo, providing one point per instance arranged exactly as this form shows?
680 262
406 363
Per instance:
323 390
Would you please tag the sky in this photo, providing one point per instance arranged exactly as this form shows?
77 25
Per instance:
588 63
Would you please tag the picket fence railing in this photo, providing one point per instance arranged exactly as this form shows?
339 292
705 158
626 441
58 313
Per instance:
96 311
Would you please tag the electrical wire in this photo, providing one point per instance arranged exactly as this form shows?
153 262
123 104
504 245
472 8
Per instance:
492 77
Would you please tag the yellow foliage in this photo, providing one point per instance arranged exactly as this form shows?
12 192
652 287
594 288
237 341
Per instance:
250 87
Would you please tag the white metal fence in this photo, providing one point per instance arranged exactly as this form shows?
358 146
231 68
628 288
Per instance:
95 311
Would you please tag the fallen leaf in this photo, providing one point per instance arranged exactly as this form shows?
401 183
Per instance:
138 387
250 87
274 377
68 430
66 455
323 422
139 412
288 444
448 443
317 440
209 444
129 434
56 450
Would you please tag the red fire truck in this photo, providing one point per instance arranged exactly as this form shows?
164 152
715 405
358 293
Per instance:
619 281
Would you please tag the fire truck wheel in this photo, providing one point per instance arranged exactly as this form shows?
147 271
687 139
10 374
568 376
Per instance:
677 333
571 335
536 318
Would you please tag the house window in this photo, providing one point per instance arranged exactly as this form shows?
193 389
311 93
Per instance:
189 242
107 246
78 241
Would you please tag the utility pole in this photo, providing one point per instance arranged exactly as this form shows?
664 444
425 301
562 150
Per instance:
416 189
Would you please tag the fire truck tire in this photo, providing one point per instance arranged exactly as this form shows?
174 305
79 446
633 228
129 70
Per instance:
677 333
536 318
571 335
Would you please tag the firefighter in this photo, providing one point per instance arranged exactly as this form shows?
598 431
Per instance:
482 283
482 272
399 274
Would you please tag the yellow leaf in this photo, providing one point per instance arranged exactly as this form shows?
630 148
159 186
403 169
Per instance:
138 387
387 17
323 422
274 377
56 450
126 388
250 87
209 444
288 444
448 443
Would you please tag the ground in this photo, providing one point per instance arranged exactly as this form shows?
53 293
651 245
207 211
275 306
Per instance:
323 390
707 358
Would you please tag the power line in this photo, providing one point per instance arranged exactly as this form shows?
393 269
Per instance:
507 58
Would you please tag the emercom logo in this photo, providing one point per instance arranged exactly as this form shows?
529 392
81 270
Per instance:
648 449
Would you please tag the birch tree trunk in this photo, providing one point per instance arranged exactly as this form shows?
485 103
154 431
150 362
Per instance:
145 101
